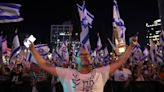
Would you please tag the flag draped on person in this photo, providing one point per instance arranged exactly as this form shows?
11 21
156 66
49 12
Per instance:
86 19
118 29
9 12
16 49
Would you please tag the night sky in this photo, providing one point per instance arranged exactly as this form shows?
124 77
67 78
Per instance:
38 16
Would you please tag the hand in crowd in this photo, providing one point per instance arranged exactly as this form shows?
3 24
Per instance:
31 46
133 40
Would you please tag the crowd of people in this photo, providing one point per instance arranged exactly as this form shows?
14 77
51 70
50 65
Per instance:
20 75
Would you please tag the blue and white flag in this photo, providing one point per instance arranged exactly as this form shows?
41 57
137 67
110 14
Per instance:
146 52
9 12
63 51
117 21
43 50
137 54
57 57
145 56
118 30
16 49
29 57
86 19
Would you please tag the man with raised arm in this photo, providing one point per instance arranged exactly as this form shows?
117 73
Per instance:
84 78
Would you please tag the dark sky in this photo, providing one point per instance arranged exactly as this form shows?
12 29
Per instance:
38 16
136 13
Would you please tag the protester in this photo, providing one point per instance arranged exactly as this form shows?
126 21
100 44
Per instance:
84 78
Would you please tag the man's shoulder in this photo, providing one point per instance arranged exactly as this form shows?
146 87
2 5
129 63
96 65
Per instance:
102 68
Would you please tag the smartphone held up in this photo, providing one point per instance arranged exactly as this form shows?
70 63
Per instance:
27 41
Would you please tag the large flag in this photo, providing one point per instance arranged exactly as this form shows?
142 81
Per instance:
119 29
16 49
86 19
9 12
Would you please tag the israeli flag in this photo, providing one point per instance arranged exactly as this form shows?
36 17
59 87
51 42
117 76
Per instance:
145 55
86 19
118 23
9 12
16 49
57 57
137 54
29 57
43 50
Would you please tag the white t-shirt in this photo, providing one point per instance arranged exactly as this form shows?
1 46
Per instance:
122 75
73 81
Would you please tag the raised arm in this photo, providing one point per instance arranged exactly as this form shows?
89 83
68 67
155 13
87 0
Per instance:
114 66
42 62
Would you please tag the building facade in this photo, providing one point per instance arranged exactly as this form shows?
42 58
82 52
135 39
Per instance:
153 32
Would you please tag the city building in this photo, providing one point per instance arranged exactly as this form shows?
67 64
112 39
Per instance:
153 32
